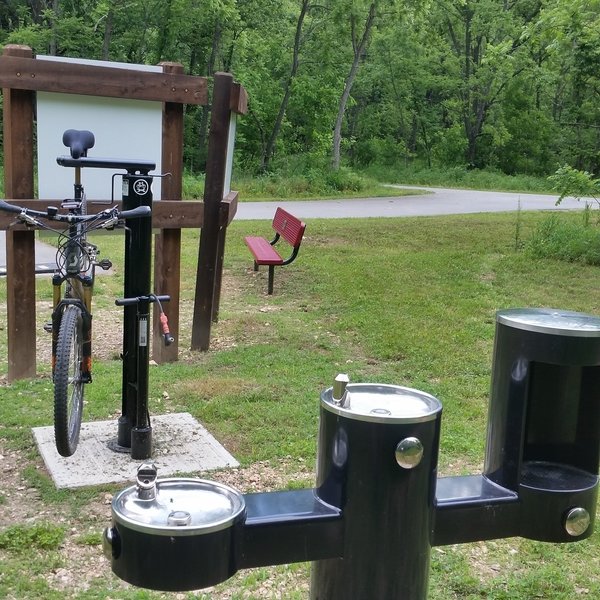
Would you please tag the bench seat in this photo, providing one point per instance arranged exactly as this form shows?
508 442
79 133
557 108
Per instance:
264 253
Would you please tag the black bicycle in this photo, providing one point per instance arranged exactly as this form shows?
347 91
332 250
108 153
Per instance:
76 261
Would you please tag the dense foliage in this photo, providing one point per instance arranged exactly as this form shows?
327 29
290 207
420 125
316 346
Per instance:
511 85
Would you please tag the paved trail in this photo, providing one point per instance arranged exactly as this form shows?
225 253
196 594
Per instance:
434 201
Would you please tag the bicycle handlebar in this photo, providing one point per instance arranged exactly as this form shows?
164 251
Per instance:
6 207
29 216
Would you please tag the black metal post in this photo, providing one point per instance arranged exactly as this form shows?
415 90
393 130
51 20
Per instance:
377 462
135 432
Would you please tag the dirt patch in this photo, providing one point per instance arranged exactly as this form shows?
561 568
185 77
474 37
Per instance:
82 564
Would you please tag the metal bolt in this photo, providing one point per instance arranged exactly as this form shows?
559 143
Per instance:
577 521
409 452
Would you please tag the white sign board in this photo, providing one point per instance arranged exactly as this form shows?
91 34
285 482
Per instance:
122 128
230 148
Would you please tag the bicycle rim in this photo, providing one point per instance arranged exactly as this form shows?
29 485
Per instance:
68 382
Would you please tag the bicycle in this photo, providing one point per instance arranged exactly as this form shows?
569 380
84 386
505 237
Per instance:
76 262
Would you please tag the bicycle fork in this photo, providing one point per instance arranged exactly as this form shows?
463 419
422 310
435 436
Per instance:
59 305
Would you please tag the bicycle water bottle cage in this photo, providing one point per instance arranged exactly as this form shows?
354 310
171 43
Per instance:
78 141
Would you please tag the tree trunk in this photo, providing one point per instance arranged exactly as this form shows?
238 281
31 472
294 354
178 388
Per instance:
358 52
108 29
53 41
205 110
270 146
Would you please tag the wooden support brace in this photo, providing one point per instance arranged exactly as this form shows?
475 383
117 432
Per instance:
210 243
167 244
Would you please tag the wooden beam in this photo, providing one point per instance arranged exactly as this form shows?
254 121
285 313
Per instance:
20 245
20 73
165 215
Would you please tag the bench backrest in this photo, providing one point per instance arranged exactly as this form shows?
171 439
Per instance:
288 227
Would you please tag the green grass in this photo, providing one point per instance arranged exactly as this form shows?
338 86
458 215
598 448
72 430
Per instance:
405 301
309 183
459 177
322 184
25 538
572 240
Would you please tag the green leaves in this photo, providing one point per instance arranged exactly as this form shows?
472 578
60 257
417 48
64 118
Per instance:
24 538
568 181
485 83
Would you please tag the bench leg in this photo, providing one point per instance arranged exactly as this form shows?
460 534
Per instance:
255 266
271 277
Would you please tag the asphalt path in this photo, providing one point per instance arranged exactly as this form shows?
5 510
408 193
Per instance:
433 201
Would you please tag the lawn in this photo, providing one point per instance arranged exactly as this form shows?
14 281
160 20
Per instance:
405 301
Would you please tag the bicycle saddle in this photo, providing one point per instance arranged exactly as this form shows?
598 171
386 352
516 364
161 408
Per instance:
78 141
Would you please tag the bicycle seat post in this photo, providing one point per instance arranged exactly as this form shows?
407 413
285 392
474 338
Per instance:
77 187
78 142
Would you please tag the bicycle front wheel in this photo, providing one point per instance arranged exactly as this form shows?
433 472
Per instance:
68 381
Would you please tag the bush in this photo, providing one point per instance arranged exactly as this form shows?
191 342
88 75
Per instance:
344 180
192 187
566 240
300 176
568 181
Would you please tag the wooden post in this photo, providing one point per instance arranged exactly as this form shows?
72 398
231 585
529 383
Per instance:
167 246
20 245
238 105
206 279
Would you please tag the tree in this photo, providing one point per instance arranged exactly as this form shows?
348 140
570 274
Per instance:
485 37
287 87
511 84
360 40
569 32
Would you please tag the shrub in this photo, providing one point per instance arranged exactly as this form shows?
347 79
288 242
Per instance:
566 240
568 181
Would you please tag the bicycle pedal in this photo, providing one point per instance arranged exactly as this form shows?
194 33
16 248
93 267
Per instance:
48 327
105 264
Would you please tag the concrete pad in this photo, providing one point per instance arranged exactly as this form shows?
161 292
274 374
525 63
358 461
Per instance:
180 445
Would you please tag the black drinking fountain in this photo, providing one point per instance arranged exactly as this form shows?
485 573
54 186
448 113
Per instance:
378 506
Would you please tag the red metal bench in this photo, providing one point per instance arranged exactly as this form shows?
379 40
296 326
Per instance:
286 226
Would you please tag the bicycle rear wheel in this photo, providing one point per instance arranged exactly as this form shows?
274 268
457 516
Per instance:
68 381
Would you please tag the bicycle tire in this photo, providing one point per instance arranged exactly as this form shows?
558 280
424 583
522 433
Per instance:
68 382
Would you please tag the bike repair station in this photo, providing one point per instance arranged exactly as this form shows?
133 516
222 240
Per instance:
22 78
